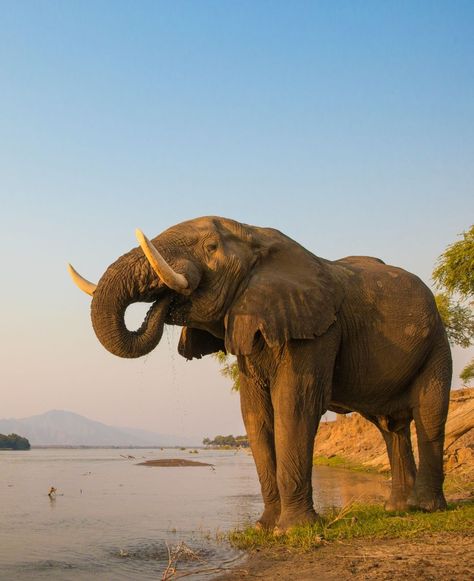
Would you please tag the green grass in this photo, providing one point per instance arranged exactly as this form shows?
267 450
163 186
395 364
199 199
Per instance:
461 485
361 521
336 461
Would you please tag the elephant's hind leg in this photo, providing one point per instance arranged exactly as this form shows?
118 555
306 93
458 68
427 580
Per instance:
396 433
431 401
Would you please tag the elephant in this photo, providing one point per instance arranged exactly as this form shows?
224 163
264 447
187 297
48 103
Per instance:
309 335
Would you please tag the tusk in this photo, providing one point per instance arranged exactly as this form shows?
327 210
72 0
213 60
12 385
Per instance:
85 285
171 278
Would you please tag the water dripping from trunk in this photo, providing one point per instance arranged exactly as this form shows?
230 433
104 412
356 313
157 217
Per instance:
177 389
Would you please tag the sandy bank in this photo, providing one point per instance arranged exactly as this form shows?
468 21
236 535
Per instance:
172 462
440 556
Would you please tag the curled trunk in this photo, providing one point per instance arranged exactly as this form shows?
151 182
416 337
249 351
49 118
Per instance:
128 281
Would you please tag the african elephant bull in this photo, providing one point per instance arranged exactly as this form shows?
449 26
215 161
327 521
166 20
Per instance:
309 335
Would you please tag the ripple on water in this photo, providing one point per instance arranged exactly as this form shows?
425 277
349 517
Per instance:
52 568
199 555
144 559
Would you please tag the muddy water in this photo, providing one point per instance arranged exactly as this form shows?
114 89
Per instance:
112 519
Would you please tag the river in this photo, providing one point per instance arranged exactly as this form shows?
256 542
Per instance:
113 519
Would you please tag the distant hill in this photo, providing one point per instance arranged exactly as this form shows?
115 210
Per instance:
63 428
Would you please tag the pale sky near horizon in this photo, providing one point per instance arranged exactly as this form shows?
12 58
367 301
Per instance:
348 126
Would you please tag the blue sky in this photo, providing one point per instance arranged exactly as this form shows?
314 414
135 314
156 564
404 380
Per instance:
348 125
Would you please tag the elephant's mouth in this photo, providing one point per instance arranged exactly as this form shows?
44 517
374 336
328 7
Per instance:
168 306
177 310
158 308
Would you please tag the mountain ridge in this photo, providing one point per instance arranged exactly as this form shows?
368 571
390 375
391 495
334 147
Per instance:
66 428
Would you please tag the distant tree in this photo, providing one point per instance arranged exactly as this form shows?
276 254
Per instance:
242 441
227 441
458 320
454 275
14 442
454 271
467 374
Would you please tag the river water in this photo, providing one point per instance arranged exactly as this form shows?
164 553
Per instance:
112 519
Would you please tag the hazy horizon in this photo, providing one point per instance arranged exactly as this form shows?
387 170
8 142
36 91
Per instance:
348 127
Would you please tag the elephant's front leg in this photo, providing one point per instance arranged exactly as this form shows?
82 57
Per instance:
257 413
299 395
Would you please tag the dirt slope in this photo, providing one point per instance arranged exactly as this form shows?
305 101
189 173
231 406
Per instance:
357 440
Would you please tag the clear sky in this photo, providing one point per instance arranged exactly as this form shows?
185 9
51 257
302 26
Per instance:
347 125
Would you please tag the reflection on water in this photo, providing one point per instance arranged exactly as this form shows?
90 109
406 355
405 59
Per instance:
112 519
337 487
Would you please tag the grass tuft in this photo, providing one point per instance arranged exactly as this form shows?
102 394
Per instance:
336 461
461 485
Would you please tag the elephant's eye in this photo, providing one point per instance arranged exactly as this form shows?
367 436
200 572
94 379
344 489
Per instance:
211 247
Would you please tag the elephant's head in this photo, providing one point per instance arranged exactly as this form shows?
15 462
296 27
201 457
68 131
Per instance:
223 281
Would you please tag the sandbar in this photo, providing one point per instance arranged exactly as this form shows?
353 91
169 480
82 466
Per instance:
172 462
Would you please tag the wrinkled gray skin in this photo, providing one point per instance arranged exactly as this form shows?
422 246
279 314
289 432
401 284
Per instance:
309 335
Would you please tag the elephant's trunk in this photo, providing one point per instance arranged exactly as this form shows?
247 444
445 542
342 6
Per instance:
129 280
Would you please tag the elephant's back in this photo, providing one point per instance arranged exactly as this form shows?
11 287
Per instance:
389 324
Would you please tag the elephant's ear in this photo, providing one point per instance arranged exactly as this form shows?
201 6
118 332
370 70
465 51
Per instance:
291 294
195 343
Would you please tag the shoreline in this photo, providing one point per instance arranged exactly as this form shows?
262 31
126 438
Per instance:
439 556
109 447
430 553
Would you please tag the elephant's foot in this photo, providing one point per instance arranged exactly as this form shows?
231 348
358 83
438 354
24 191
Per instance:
397 504
269 518
289 521
427 502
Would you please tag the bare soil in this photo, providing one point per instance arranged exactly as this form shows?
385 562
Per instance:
438 557
172 462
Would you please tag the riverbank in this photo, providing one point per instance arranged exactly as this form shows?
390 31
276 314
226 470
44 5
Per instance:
427 557
365 542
